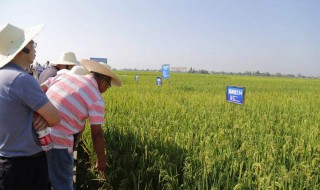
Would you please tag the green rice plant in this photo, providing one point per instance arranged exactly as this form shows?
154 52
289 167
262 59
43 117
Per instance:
184 135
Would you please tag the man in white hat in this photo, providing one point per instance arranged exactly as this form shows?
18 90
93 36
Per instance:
66 61
23 163
77 97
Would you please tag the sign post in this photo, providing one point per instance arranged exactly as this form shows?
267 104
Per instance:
158 81
235 94
166 72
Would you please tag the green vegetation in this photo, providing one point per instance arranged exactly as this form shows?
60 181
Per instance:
184 135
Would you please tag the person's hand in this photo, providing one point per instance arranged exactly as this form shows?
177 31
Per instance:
101 165
39 123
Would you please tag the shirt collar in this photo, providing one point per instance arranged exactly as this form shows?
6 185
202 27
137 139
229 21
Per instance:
93 80
13 65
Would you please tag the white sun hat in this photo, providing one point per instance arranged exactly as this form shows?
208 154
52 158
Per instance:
14 39
101 68
62 71
66 58
79 70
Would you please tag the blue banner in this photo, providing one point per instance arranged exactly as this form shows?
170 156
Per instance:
166 71
235 94
103 60
158 81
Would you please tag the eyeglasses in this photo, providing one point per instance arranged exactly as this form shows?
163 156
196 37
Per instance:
27 50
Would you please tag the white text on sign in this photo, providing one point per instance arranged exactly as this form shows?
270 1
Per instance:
235 92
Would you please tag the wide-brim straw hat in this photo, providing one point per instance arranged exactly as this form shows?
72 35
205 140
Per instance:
102 68
66 58
14 39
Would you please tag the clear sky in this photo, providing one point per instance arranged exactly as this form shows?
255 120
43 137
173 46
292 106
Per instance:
215 35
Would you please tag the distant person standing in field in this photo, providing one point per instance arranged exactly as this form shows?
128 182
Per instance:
77 98
66 61
29 69
23 163
35 71
40 69
46 65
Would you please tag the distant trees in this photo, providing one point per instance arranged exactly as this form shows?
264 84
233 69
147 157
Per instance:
202 71
258 73
246 73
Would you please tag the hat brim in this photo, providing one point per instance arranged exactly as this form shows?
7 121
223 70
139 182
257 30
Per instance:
29 34
64 63
93 66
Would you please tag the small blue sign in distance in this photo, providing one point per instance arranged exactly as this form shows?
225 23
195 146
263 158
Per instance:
158 81
235 94
166 71
104 60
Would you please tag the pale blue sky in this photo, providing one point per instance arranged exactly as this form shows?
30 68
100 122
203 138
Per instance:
226 35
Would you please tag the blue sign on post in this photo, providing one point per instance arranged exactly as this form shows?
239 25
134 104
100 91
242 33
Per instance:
166 71
235 94
103 60
158 81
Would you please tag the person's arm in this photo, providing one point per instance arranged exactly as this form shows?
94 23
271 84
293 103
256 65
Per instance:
47 83
39 123
44 87
49 113
99 144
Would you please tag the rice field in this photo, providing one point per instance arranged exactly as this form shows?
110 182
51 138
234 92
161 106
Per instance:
184 135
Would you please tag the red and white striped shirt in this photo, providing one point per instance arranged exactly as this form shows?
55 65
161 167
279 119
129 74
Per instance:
77 98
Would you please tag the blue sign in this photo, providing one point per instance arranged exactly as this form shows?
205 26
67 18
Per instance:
166 71
158 81
235 94
103 60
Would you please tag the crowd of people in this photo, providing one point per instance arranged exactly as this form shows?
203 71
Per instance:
36 69
59 99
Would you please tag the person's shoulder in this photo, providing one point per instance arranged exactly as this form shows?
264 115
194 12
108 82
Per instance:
50 70
47 73
13 70
25 76
90 80
25 79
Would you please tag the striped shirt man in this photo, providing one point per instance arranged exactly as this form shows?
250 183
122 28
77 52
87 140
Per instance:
77 98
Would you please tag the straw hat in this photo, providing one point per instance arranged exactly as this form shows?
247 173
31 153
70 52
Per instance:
66 58
79 70
101 68
14 39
